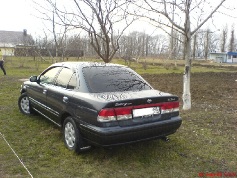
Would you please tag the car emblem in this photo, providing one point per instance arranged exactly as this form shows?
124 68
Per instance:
149 100
171 99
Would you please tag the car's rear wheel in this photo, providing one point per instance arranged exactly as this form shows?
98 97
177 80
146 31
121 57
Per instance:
24 104
72 137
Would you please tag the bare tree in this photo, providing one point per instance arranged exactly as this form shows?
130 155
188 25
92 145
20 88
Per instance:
98 19
214 41
175 44
223 39
137 45
59 31
210 42
207 43
187 12
232 40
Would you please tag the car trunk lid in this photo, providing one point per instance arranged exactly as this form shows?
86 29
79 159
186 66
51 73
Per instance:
133 108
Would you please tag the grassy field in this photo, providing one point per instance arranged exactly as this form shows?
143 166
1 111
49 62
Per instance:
205 143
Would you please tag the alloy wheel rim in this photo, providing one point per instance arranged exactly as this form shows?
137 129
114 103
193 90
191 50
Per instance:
25 105
70 136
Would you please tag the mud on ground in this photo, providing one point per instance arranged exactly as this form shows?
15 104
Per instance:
209 90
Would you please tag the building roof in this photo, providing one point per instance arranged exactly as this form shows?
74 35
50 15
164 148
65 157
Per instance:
232 53
225 53
13 38
7 45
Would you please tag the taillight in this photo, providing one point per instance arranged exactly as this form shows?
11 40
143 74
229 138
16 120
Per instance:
106 115
113 114
169 107
125 113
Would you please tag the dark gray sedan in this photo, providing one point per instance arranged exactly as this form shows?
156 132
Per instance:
100 104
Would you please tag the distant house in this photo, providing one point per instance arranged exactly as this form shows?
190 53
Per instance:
10 41
225 57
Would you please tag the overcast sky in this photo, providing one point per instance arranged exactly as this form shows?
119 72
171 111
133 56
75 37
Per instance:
16 15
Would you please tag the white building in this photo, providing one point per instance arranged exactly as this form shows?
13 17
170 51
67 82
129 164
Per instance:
9 40
225 57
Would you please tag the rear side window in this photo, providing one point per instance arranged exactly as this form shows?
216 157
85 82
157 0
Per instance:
66 79
113 79
73 82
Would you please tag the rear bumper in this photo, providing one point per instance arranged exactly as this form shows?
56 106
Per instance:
113 136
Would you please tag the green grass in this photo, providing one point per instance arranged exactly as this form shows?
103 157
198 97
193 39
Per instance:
206 141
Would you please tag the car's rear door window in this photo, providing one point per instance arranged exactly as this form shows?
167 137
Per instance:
66 79
73 82
113 79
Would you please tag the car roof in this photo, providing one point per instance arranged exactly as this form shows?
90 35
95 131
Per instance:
86 64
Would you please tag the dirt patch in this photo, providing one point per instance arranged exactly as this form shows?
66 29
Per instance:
23 79
219 89
214 100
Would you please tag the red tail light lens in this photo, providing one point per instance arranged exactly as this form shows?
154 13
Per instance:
112 114
106 115
125 113
169 107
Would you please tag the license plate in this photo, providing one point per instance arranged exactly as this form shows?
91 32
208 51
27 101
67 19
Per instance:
146 112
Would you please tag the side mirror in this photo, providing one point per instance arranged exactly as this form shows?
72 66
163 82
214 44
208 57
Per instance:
34 78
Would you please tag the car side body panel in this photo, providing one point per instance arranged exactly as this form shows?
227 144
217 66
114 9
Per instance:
37 96
57 100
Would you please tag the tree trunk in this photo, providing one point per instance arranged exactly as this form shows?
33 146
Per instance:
232 40
187 76
187 68
206 44
223 40
194 45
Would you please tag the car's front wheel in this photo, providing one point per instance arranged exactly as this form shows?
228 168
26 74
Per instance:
24 104
72 137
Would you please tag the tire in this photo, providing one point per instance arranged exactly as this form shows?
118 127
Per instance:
72 137
24 104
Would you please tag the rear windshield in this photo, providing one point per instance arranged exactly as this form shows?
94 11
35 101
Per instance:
113 79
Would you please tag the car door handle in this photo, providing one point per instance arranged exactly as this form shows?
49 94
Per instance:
44 91
65 99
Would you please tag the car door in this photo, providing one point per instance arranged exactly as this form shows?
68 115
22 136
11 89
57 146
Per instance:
58 96
38 91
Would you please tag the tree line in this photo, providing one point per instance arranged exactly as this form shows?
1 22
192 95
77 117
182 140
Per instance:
136 45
